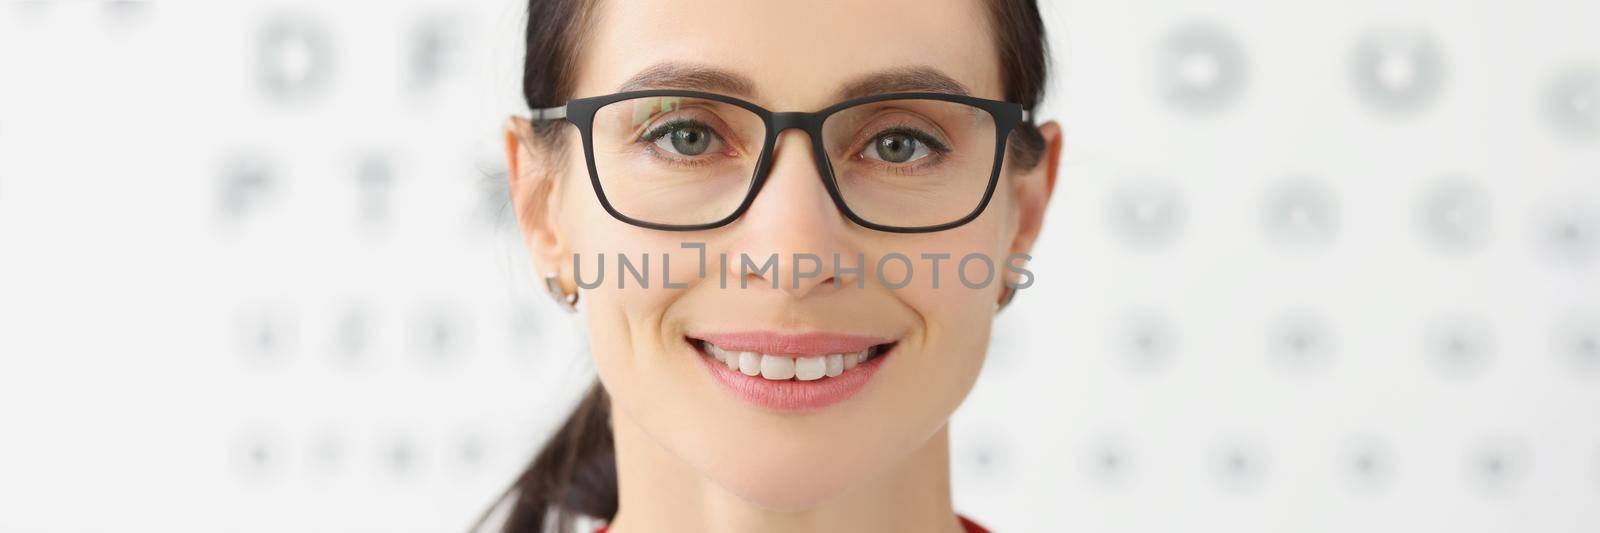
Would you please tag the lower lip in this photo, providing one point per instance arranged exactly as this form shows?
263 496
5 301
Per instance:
793 395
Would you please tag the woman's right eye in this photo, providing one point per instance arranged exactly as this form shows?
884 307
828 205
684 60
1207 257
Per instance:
685 138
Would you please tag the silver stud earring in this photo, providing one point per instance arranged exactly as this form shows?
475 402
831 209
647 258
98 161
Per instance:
1006 294
566 301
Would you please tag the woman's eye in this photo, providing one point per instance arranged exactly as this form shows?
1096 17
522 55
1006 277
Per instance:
896 148
687 140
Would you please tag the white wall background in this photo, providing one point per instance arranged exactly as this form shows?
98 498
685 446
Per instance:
1311 267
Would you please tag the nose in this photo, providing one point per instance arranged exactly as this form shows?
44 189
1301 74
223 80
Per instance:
792 219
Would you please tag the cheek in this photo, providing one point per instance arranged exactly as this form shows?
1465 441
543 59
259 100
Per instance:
934 373
956 299
623 274
605 251
628 297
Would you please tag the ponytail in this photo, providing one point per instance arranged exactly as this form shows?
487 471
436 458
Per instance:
574 474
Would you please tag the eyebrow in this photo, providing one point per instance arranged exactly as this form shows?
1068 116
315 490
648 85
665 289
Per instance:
689 76
697 77
904 79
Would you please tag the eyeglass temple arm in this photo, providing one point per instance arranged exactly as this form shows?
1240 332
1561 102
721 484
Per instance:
550 113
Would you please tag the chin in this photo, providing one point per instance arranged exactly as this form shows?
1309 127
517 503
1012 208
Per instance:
793 485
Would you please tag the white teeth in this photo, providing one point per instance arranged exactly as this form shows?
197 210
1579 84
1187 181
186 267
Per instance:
731 359
750 363
777 367
810 368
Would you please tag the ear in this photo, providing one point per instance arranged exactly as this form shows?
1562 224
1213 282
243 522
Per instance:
535 188
1032 188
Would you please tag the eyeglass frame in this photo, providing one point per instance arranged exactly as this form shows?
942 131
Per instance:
580 112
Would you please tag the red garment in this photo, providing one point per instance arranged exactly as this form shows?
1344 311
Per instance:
969 526
966 524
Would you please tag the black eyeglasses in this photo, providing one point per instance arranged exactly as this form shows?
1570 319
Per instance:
687 160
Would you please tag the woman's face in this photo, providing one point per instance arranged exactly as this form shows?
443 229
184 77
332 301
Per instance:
795 443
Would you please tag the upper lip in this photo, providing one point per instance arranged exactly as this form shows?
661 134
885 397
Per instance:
777 343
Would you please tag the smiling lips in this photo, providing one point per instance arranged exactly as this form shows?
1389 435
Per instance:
791 372
779 357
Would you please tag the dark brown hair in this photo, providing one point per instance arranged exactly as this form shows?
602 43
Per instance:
575 473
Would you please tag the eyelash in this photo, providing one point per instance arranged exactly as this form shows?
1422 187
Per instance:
936 147
649 139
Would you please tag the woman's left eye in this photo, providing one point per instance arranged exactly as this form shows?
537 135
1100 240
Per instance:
896 147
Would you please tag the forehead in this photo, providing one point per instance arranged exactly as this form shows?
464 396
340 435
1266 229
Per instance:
795 55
